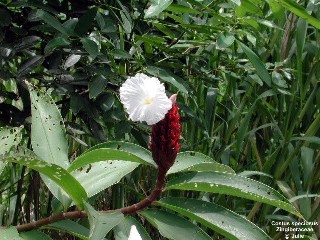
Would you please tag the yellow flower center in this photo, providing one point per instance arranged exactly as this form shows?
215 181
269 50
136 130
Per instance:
147 101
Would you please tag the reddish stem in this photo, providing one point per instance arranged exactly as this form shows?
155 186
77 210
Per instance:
82 214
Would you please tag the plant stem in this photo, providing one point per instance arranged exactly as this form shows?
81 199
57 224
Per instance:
82 214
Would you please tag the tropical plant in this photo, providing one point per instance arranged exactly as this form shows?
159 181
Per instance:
247 77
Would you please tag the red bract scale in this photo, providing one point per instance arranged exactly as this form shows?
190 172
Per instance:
165 139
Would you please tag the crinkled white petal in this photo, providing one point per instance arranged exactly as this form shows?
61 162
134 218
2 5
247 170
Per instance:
144 99
134 234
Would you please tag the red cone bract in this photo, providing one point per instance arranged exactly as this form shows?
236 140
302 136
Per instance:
165 139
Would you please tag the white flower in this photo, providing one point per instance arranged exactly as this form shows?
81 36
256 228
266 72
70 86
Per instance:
134 234
144 98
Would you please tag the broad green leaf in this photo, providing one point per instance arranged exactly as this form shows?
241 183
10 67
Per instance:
194 161
35 235
172 226
91 47
219 219
225 40
57 174
70 227
102 223
257 64
48 136
10 233
97 85
300 11
168 77
85 21
132 148
156 7
55 43
9 137
122 230
98 176
234 185
104 154
53 22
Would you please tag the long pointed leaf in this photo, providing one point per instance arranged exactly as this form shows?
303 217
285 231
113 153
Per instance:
103 154
232 184
54 172
218 218
172 226
48 136
194 161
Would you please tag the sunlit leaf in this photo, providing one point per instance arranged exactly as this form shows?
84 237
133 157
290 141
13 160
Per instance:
234 185
218 218
156 7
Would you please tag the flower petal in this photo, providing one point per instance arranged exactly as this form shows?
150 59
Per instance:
144 99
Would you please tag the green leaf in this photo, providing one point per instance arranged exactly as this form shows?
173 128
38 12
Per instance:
177 8
105 101
194 161
257 64
233 185
70 227
219 219
120 54
56 173
97 85
98 176
55 43
26 42
311 139
30 65
9 137
156 7
10 233
132 148
243 129
102 223
300 11
53 22
91 47
122 230
168 77
225 40
85 21
238 2
72 60
35 235
48 136
172 226
104 154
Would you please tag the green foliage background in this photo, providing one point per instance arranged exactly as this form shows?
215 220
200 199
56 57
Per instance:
247 73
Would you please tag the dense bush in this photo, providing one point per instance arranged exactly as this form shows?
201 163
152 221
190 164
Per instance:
247 77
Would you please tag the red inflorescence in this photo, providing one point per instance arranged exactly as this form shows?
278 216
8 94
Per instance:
165 139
